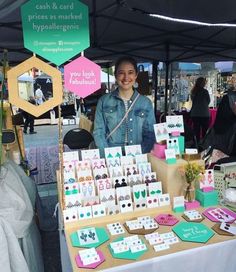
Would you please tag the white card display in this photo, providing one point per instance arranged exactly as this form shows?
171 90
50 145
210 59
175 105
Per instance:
152 201
123 193
115 228
83 166
133 150
149 178
113 152
73 200
85 212
70 215
90 154
107 197
144 168
178 201
134 180
126 160
191 151
98 164
170 154
116 171
155 188
139 192
130 169
164 199
87 189
101 173
126 206
142 158
89 256
119 181
161 132
161 247
113 209
173 143
87 236
193 215
231 228
103 184
70 156
207 179
175 123
113 162
99 210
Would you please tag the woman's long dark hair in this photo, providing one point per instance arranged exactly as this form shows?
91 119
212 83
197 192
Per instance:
199 84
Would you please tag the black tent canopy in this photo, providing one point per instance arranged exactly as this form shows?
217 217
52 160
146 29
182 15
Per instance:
119 27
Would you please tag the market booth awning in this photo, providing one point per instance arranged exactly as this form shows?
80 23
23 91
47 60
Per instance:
119 27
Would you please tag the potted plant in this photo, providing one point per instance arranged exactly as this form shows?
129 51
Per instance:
191 173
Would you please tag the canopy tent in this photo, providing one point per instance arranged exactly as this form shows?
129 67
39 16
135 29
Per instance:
119 27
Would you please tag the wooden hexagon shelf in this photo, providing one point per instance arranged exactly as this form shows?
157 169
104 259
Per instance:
22 68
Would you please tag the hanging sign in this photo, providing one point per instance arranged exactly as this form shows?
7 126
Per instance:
55 30
82 77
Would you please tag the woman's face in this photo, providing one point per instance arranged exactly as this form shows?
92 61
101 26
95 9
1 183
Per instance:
126 76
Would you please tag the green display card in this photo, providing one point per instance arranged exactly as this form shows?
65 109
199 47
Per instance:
102 238
193 232
126 255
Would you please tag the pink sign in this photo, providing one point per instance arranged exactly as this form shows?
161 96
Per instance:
82 77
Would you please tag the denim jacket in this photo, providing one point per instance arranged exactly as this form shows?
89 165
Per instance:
111 109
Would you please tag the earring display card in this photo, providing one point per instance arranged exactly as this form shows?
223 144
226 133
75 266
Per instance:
116 171
101 173
69 172
139 193
207 179
178 201
71 189
85 212
164 199
87 236
134 180
220 215
155 188
115 228
120 182
173 143
166 219
130 169
99 210
133 150
130 248
231 228
90 154
140 204
84 175
161 132
113 152
144 168
101 236
89 258
123 193
126 160
73 201
126 206
170 156
98 164
150 178
175 123
83 166
107 197
152 201
70 157
90 201
70 215
111 210
141 158
103 184
87 189
113 162
193 215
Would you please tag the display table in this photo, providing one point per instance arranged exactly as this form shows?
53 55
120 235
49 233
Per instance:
169 174
215 255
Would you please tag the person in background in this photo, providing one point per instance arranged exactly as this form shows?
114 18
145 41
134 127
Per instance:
39 96
29 119
199 113
124 117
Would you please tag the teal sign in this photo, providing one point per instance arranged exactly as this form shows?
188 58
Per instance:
55 30
193 232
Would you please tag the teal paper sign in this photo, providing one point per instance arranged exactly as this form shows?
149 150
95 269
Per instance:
55 30
193 232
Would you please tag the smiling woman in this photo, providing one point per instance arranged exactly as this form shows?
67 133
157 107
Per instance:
124 117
